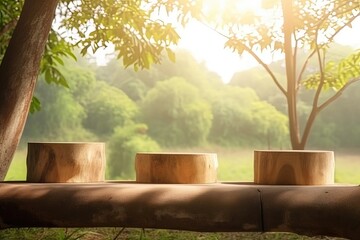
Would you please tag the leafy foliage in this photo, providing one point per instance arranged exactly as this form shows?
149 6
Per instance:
188 68
108 108
134 84
241 119
55 51
270 125
175 113
232 121
124 144
60 119
134 28
314 23
82 81
336 74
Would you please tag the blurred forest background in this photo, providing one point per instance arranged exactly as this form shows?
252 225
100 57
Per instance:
181 106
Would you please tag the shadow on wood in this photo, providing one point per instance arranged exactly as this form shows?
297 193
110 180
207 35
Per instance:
314 210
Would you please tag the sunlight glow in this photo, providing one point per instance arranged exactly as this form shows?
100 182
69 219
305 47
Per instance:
207 46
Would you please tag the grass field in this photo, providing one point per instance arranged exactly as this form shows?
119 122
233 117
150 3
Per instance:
234 165
142 234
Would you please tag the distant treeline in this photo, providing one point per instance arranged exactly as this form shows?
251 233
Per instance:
180 104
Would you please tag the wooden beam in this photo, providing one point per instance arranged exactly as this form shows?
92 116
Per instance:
311 210
188 207
328 210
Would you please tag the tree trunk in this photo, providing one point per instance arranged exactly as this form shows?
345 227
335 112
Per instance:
291 97
18 73
66 162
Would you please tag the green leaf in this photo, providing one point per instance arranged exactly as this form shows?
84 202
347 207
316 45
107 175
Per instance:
35 105
48 77
171 54
59 60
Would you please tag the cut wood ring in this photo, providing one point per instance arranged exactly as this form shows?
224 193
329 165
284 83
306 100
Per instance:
51 162
294 167
186 168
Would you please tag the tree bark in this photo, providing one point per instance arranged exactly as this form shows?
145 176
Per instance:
287 8
18 73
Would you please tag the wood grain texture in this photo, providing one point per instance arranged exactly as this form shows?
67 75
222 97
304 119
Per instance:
66 162
176 167
210 207
238 207
19 70
294 167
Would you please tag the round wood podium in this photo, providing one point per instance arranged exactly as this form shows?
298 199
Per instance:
186 168
66 162
294 167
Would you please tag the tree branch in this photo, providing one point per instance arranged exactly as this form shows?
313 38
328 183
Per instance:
305 65
337 94
329 13
342 27
266 67
255 56
330 39
315 108
295 62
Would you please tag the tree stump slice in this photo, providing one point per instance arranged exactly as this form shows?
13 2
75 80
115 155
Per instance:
182 168
294 167
66 162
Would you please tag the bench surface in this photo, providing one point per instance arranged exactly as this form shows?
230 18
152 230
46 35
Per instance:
332 210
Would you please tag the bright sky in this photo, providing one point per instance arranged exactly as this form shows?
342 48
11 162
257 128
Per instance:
207 45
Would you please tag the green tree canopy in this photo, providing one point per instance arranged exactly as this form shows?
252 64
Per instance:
81 81
124 144
107 109
176 114
270 126
60 119
241 119
187 67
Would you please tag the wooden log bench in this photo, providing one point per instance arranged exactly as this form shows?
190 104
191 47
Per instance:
222 207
